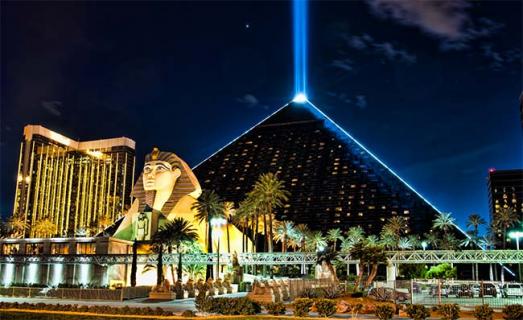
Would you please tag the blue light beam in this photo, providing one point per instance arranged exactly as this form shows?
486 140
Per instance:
300 13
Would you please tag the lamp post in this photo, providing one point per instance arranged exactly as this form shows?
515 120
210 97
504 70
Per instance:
217 224
424 245
516 235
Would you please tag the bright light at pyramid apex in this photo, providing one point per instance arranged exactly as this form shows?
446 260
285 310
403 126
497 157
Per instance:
300 98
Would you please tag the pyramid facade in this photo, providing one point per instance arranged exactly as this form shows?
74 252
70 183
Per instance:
334 181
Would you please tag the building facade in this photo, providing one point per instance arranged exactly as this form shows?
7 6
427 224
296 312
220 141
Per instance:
334 181
505 188
79 186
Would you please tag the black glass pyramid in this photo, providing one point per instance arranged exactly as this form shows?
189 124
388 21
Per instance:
334 181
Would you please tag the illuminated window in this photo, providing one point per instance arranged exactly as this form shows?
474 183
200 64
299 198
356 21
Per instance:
59 248
34 248
10 248
86 248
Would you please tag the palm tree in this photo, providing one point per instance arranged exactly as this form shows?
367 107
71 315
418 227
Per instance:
228 212
45 228
270 194
301 233
316 241
18 226
475 220
444 222
208 206
388 239
372 240
431 239
405 244
355 233
284 231
396 225
504 219
333 235
177 232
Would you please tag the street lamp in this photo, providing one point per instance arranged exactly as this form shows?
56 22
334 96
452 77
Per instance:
516 235
424 245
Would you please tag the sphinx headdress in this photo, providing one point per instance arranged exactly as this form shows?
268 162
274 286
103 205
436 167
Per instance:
187 184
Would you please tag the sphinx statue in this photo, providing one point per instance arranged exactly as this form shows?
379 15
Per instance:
167 189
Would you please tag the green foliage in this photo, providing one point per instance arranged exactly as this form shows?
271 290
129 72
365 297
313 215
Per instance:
325 307
328 292
302 306
384 312
188 314
417 312
412 271
449 311
242 287
235 306
275 308
203 303
483 312
98 309
513 312
441 271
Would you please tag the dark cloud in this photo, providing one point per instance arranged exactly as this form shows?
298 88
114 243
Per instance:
361 102
52 107
447 20
499 60
251 101
343 64
367 43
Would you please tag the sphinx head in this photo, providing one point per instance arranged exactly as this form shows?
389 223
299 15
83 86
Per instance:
165 172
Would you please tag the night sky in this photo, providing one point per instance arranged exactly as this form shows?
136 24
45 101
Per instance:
432 88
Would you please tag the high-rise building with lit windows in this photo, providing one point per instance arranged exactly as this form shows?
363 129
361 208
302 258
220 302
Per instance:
505 189
80 186
333 179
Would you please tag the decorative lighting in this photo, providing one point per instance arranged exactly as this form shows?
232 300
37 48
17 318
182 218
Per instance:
300 98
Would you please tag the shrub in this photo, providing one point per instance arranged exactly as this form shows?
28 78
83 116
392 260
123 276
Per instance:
311 293
188 314
302 306
234 306
333 292
384 312
203 303
275 308
483 312
326 307
513 312
449 311
417 312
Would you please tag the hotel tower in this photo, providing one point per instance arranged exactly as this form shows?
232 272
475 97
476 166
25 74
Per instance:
79 186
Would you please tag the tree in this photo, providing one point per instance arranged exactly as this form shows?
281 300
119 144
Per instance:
45 228
333 235
388 239
208 206
228 213
177 232
17 226
475 220
405 244
301 234
431 239
504 219
371 255
316 241
283 231
270 194
441 271
396 225
444 222
355 233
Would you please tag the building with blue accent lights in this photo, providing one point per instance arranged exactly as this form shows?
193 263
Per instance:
333 179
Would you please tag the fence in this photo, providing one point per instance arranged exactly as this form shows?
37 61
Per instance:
465 293
78 294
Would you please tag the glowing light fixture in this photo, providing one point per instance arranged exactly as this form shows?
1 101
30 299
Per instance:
300 98
299 13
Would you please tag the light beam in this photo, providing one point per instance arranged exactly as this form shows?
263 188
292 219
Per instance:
299 12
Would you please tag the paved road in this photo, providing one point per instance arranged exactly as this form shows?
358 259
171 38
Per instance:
174 305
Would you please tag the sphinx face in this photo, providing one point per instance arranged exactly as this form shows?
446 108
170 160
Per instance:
159 176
